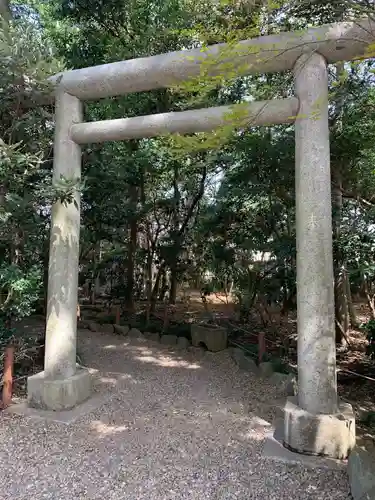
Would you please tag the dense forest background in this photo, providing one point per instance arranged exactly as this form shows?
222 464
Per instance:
165 218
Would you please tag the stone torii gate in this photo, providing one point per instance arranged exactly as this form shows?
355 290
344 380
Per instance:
315 422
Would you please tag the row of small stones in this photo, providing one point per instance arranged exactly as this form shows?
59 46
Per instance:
244 362
181 342
285 381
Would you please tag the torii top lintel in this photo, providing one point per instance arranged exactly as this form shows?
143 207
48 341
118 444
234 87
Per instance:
267 54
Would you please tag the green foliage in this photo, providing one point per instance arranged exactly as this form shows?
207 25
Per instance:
25 147
7 334
211 209
19 290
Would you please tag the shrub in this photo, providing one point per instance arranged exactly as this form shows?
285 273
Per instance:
369 328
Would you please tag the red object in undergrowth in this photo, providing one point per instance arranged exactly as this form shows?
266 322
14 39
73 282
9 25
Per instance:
261 346
8 376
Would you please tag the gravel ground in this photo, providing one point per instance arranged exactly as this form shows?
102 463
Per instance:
178 425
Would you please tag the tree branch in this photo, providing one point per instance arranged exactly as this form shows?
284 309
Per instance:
354 196
195 202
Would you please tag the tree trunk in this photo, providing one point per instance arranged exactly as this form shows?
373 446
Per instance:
173 286
45 274
352 313
155 289
341 289
95 284
341 304
164 288
132 248
370 298
176 237
149 280
341 300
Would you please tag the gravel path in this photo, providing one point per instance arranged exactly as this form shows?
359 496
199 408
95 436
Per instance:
178 425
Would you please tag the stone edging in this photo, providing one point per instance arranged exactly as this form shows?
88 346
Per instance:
171 340
285 381
361 464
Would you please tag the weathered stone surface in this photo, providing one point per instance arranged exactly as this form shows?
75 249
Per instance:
361 470
58 395
259 112
215 338
61 321
121 330
243 361
265 369
328 435
336 43
275 450
107 328
168 339
317 386
183 342
134 333
285 382
154 337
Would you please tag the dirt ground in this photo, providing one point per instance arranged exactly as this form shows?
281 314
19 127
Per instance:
356 372
356 375
171 424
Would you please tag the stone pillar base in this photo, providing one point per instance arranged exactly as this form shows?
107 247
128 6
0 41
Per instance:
326 435
59 395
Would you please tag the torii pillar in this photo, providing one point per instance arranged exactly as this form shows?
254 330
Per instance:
315 421
62 385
